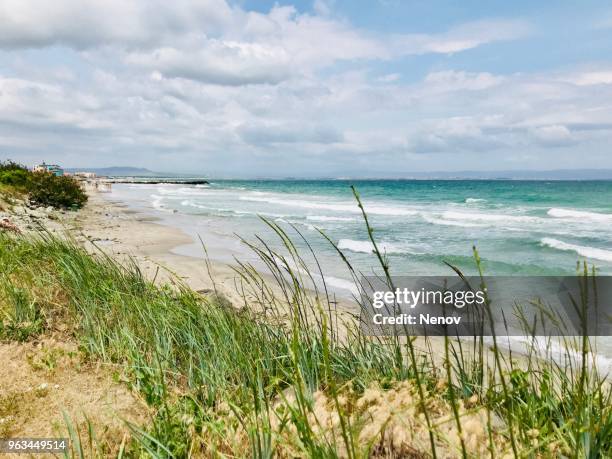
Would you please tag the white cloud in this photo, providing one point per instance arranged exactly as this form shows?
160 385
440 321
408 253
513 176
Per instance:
454 135
262 135
554 135
90 23
212 42
224 63
450 80
462 38
323 7
147 119
590 78
187 85
389 78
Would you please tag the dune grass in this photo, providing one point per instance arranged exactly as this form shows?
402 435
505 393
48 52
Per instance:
286 374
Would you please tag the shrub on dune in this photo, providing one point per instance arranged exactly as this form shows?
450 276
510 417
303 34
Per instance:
42 188
60 192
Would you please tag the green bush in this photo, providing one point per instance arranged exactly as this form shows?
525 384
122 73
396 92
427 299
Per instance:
43 188
14 177
11 166
61 192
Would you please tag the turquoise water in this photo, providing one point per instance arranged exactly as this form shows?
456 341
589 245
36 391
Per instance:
519 227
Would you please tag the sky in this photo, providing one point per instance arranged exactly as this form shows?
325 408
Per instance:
324 88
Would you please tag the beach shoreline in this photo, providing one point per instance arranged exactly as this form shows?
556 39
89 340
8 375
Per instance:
128 234
167 254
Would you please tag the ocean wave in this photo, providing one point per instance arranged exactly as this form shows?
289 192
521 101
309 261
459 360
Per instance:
324 218
491 218
190 203
295 223
441 221
557 351
342 284
235 212
474 200
141 186
157 204
581 214
181 192
157 201
368 247
585 251
339 207
255 213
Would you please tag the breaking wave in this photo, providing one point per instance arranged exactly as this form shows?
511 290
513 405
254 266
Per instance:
338 207
585 251
492 218
441 221
581 214
368 247
343 284
324 218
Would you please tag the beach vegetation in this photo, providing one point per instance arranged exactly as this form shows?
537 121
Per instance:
42 188
289 374
61 192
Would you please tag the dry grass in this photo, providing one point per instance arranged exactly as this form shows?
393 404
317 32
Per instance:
43 379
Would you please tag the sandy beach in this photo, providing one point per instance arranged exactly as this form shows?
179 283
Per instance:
123 233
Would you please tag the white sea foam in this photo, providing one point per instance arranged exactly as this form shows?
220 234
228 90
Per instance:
183 191
556 351
585 251
342 284
474 200
190 203
491 218
324 218
368 247
355 246
157 203
441 221
338 207
580 214
142 186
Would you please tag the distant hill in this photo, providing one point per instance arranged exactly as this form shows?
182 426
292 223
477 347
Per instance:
117 171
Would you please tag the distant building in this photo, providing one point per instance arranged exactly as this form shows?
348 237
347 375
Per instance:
51 168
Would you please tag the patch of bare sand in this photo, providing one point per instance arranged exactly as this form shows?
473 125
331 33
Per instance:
43 379
129 235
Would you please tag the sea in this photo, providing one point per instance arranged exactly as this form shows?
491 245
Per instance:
519 228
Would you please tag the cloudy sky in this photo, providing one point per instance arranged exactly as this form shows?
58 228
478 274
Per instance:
301 88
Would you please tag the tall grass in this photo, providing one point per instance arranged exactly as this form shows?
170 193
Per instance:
290 374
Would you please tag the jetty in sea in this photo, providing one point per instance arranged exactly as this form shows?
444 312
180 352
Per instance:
91 182
156 181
